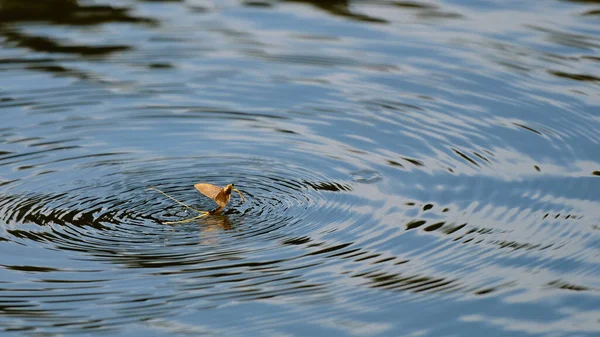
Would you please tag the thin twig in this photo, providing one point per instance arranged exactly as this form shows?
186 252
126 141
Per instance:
240 193
177 201
185 220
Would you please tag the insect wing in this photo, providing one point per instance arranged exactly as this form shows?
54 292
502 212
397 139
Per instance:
208 190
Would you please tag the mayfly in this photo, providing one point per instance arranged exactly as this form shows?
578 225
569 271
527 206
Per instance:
220 195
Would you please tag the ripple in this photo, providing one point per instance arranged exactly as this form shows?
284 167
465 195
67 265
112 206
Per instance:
396 157
114 219
366 176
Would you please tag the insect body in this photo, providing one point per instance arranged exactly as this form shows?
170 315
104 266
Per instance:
220 195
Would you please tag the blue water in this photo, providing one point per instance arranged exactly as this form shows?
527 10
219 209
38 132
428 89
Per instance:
410 168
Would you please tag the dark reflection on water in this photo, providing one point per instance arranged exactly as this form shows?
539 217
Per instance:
59 12
410 168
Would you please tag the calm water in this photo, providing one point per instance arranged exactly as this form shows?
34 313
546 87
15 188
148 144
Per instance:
422 168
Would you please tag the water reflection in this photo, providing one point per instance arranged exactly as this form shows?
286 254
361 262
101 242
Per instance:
65 12
435 160
60 13
340 8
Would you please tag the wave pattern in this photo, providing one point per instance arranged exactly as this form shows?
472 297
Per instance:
410 168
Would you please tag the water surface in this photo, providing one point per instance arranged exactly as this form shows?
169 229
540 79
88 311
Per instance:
410 168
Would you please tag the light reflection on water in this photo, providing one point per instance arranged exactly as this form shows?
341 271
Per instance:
411 168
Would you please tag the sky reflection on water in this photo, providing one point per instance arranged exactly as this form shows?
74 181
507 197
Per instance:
411 168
